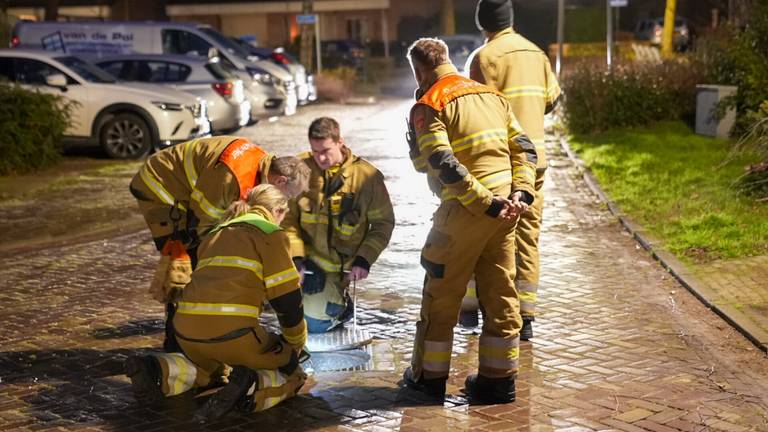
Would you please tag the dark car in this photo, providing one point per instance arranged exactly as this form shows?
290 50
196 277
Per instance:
651 30
342 53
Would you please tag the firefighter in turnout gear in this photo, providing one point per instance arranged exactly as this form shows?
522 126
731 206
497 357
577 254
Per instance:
464 136
339 227
182 191
522 72
244 261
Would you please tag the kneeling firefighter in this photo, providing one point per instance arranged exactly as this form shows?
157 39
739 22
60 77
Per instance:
243 261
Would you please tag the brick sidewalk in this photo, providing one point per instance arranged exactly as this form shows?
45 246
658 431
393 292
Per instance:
617 345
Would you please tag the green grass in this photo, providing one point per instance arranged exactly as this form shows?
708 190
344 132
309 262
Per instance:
670 181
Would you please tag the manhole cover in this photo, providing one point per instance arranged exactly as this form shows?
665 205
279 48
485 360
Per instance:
350 360
345 338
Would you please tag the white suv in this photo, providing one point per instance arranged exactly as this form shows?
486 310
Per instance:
127 120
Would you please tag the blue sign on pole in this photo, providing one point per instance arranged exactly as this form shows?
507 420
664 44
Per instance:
306 19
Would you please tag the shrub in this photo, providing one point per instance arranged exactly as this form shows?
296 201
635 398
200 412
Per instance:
754 181
737 56
336 84
629 95
31 126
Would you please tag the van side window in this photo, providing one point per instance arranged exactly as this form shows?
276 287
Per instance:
29 71
184 42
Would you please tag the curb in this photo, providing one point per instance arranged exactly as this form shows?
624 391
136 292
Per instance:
670 263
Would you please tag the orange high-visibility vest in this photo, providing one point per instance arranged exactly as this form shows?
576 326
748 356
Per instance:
450 87
243 158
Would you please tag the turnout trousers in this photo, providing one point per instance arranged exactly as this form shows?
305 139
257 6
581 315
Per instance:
458 245
206 364
527 256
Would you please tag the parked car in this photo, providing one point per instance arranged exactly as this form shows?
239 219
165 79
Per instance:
652 29
460 47
342 53
305 91
126 119
94 40
228 108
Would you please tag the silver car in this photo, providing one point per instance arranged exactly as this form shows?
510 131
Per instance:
228 107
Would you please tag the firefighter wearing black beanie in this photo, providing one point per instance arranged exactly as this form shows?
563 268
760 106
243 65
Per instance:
493 15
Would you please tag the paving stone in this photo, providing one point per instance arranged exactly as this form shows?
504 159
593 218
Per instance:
71 315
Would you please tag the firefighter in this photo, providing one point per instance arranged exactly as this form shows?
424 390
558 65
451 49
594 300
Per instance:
183 190
339 227
520 70
464 136
244 261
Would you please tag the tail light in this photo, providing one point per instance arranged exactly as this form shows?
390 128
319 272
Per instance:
15 41
280 58
225 89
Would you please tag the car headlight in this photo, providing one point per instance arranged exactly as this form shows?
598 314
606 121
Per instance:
168 106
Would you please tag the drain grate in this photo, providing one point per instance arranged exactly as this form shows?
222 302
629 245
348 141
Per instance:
344 349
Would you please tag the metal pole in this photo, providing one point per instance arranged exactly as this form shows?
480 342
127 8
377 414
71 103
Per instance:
609 33
560 36
317 44
669 28
385 32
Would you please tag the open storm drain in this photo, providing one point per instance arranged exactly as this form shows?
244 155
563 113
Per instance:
345 349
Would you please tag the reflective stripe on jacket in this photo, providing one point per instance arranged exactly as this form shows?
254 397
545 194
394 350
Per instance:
360 213
469 143
242 263
203 176
521 71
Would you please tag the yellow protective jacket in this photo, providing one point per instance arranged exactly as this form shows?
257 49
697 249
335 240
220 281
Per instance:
242 263
521 71
464 136
202 176
356 200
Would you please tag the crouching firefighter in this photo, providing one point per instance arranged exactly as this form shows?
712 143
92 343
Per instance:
464 136
243 262
339 227
183 191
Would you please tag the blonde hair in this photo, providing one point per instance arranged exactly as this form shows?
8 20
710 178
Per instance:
428 52
263 196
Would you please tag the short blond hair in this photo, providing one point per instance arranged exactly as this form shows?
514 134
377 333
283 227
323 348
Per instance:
292 168
429 52
265 196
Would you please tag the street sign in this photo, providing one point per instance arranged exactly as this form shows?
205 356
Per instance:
619 3
306 19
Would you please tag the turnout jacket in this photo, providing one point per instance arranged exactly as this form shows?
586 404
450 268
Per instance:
465 137
344 219
521 71
202 177
243 263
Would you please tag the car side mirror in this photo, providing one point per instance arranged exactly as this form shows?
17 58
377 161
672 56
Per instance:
57 80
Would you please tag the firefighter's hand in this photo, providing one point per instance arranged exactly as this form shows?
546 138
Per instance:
357 273
517 200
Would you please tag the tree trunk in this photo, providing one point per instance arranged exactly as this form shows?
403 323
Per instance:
307 33
51 10
448 18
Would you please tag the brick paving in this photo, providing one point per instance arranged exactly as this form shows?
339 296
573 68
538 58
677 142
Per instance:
739 283
618 346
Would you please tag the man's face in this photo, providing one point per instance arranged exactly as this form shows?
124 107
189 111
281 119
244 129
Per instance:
326 152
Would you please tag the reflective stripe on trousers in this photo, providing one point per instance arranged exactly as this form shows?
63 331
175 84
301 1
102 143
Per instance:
179 373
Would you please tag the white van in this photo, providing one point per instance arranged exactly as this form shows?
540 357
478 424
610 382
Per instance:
94 40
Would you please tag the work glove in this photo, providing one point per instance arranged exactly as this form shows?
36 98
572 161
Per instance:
172 274
314 278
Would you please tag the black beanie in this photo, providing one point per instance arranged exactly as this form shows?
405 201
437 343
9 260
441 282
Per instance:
493 15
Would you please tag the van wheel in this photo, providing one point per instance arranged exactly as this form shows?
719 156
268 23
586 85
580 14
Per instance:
125 136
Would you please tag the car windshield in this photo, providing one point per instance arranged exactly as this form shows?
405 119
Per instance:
87 71
227 43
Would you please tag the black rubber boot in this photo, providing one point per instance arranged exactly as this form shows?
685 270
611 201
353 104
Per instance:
526 333
468 319
490 390
434 387
145 375
240 380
